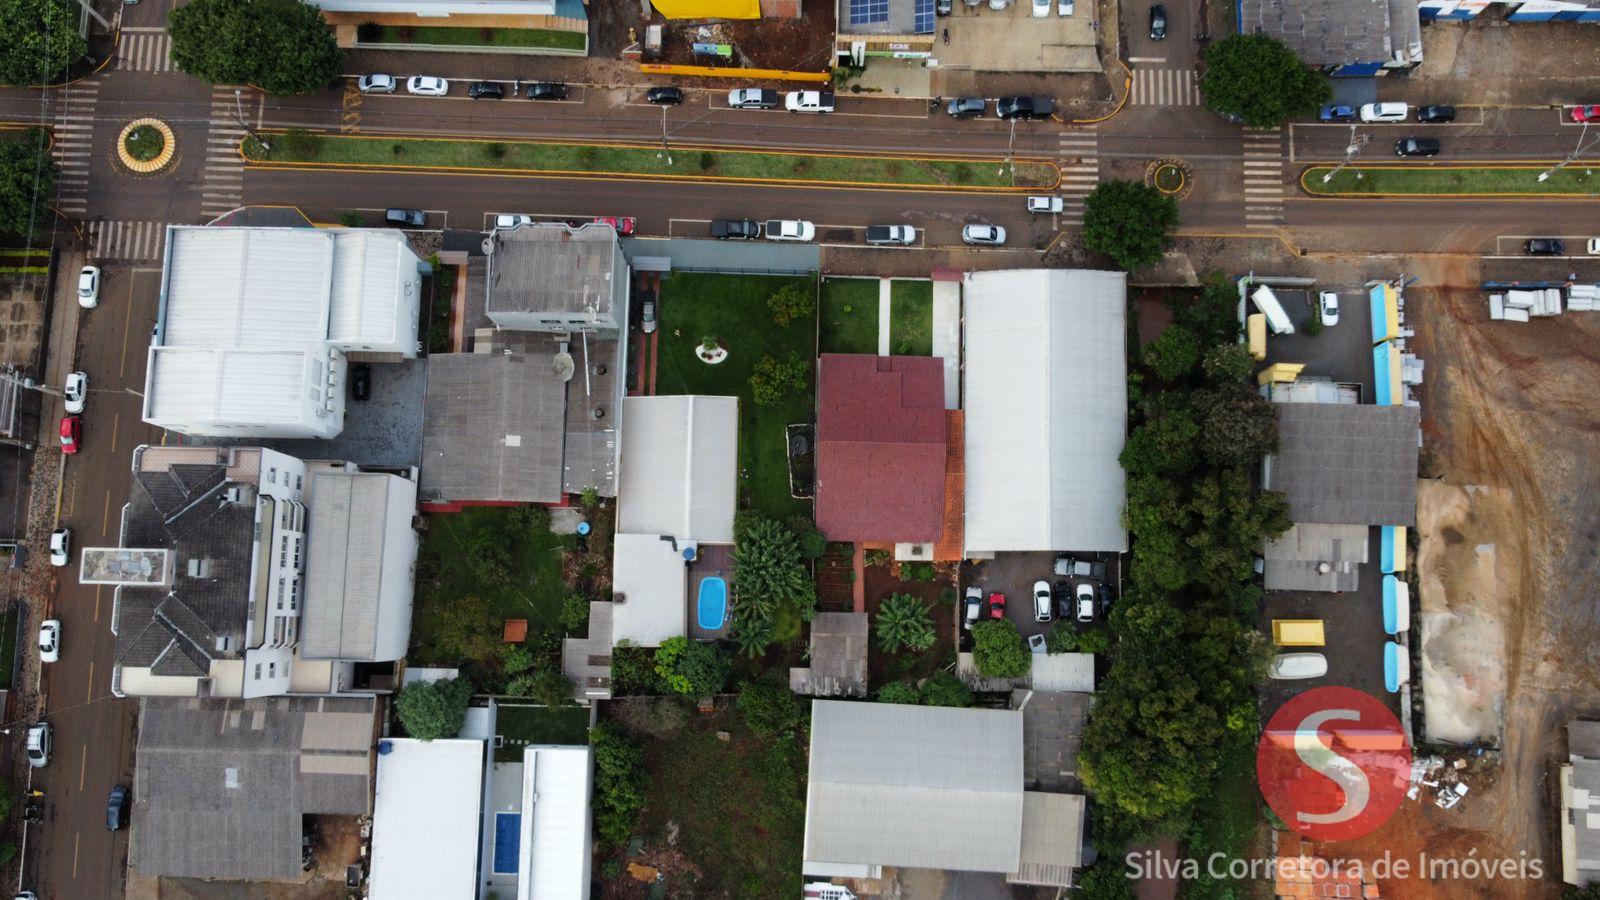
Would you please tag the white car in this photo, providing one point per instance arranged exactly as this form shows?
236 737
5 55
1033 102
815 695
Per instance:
972 608
1063 8
510 221
1084 592
376 84
89 287
60 546
790 230
50 641
1328 302
1044 204
427 86
1295 666
39 745
989 235
1041 8
809 101
1384 112
75 392
1043 602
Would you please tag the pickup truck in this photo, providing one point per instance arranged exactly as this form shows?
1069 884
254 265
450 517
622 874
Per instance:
903 235
789 230
735 229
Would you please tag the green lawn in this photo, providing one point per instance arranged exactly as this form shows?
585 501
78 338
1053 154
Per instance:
476 37
600 159
534 590
521 726
1491 180
8 645
734 309
911 318
849 315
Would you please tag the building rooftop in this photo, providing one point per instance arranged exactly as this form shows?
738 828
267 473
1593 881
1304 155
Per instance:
425 819
649 601
880 448
492 428
1052 732
1294 560
550 268
553 857
1332 34
889 17
679 464
838 657
1052 839
1346 465
345 565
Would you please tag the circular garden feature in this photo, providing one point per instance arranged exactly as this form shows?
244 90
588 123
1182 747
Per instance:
146 145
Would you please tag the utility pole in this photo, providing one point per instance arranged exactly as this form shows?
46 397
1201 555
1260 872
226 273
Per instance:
1356 143
665 150
1545 175
238 115
1010 142
89 8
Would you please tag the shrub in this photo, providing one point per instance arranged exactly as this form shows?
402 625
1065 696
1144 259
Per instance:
998 649
657 717
708 160
917 571
791 302
752 633
494 150
432 710
487 558
590 498
468 628
903 622
945 689
812 541
1094 640
351 219
691 668
899 692
619 784
369 33
517 660
633 670
532 517
299 143
769 708
574 613
547 687
1063 638
773 381
877 558
768 574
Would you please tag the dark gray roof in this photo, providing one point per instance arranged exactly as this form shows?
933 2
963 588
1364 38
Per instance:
1052 731
1583 739
493 428
1343 464
344 566
1323 33
220 786
838 657
548 267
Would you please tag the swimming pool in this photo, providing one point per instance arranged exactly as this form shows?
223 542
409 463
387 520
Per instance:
711 606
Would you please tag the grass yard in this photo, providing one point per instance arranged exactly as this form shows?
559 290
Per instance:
849 315
521 726
533 591
543 38
911 318
8 644
734 309
1435 180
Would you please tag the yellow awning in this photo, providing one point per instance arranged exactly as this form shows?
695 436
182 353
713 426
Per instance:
708 9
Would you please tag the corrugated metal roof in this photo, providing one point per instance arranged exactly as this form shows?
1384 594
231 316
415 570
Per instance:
364 305
252 288
1052 839
344 568
649 585
917 786
191 385
679 467
554 857
1346 465
425 819
1046 410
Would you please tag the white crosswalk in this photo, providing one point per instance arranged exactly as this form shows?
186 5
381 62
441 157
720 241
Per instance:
1263 177
73 131
1165 87
1080 170
139 50
222 185
134 241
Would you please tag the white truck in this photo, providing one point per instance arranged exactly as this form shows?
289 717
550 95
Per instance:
1267 302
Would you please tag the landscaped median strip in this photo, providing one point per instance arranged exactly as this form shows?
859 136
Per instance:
1509 181
687 163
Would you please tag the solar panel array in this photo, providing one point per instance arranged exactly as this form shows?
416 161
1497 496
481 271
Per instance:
924 17
869 12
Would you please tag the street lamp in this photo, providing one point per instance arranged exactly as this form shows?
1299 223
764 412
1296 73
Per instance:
665 150
1576 151
238 115
1010 142
1356 143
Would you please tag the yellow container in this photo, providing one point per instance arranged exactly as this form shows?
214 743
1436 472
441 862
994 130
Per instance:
1297 632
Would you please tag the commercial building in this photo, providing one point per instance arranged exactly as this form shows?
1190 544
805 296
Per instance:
255 326
456 24
1345 463
1580 805
1360 38
426 815
554 278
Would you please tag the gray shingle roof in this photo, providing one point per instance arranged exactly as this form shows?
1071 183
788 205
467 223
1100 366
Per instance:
493 428
1052 732
1342 464
1583 739
1322 33
838 657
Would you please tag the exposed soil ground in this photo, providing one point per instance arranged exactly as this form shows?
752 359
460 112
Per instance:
883 582
804 44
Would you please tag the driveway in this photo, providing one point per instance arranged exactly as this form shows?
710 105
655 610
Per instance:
1342 352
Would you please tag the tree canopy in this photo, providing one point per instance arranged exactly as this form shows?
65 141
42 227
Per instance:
769 708
998 649
619 783
432 710
1129 222
1260 80
691 668
41 40
770 582
27 182
904 622
281 46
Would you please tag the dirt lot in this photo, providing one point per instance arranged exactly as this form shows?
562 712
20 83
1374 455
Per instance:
883 581
804 44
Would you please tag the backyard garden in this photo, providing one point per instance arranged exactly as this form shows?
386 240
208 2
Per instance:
849 319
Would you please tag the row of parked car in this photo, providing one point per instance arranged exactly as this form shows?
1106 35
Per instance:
1004 107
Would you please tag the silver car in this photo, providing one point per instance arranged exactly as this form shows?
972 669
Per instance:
986 235
376 84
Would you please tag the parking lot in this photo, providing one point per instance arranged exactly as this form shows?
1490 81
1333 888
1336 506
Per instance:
1342 352
1014 574
1015 40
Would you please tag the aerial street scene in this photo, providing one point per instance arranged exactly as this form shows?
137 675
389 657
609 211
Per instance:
799 449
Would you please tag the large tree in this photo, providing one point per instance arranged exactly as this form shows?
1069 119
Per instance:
41 40
433 710
1129 222
769 574
998 650
281 46
1259 79
691 668
27 182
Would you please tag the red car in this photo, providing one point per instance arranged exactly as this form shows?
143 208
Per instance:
997 605
1586 114
71 433
623 224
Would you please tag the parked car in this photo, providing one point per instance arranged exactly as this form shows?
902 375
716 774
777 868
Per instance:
1158 23
376 84
1108 596
1436 114
1063 593
1328 306
987 235
547 90
735 229
414 218
1041 8
790 230
60 546
753 98
1067 566
509 221
117 808
1337 113
1084 592
50 641
1044 204
39 745
427 86
1545 247
665 96
361 382
1294 666
1384 112
880 235
1063 8
1025 107
809 101
623 224
71 434
966 107
647 316
997 605
973 607
89 287
486 90
1042 601
1585 113
75 392
1416 147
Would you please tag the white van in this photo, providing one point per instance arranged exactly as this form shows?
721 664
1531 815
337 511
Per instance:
1384 112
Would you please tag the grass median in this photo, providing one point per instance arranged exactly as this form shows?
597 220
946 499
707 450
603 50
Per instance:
623 161
1460 181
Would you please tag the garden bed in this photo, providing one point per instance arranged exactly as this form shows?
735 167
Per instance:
1460 181
940 595
911 318
849 315
438 36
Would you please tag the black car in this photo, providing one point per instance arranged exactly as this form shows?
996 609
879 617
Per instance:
117 808
547 90
1063 595
491 90
666 96
966 107
1436 114
1545 247
735 229
1025 107
412 217
361 381
1108 596
1416 147
1158 23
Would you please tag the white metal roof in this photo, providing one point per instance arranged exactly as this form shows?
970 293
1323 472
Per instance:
368 284
916 786
425 819
193 385
554 856
649 584
247 288
679 469
1046 410
1052 838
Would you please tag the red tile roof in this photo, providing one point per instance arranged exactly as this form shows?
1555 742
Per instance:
880 448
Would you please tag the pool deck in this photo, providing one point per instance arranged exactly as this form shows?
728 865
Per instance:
714 560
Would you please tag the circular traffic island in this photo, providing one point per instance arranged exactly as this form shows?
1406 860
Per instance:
146 146
1172 177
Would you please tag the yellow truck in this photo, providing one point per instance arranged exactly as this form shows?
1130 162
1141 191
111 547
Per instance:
1297 632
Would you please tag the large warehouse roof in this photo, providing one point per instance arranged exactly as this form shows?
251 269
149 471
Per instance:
1046 403
425 819
679 469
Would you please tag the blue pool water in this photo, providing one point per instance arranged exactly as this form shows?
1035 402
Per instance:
507 842
711 607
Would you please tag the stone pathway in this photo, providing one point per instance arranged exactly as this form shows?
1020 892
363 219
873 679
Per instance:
884 317
947 337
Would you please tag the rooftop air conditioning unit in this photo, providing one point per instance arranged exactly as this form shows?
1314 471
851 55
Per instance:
224 643
199 568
